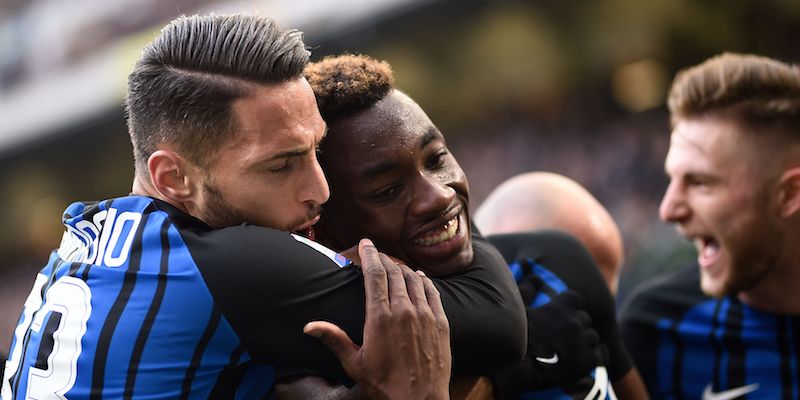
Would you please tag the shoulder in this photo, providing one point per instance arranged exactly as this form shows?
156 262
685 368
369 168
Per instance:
665 295
557 252
538 245
654 303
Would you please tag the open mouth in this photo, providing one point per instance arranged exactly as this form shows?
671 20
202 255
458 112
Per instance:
440 234
708 250
307 233
307 230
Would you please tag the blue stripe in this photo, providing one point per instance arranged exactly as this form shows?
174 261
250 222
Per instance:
516 271
549 278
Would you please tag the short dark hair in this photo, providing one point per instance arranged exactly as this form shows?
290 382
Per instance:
182 88
348 83
758 90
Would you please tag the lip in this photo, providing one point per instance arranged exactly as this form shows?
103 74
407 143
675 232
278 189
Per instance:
441 252
307 225
453 212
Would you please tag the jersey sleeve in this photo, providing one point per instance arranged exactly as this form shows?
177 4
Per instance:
269 284
486 314
569 260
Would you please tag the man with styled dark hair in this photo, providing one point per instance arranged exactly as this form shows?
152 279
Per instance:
193 286
393 179
728 326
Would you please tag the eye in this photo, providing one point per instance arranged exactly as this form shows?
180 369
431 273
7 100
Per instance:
386 194
285 167
438 159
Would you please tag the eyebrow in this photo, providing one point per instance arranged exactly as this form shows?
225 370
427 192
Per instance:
384 166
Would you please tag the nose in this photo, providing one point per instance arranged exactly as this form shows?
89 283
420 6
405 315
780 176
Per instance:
673 206
431 197
314 189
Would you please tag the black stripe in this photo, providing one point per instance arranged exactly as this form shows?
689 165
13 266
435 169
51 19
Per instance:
213 323
231 376
85 274
73 268
782 337
677 361
716 344
795 323
733 344
47 341
152 312
114 315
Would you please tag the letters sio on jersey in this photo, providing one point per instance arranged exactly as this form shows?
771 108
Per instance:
106 240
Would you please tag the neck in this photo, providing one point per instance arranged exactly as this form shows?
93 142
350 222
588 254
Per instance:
143 187
776 292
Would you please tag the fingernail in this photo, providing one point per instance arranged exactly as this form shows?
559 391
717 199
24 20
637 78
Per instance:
308 331
420 272
366 242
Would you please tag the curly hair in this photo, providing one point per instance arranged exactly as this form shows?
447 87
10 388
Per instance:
348 83
758 90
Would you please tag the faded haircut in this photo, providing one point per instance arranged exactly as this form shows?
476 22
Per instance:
183 86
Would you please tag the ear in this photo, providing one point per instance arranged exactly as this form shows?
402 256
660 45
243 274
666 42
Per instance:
789 193
173 177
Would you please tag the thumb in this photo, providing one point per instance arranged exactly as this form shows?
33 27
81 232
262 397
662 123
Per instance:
334 338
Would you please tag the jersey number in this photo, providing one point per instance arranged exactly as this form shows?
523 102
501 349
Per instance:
60 323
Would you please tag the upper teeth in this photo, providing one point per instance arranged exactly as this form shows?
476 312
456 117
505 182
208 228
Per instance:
443 234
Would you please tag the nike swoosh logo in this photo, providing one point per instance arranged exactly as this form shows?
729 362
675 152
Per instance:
709 394
548 360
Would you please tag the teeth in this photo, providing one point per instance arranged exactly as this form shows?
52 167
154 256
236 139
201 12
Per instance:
447 232
706 246
710 249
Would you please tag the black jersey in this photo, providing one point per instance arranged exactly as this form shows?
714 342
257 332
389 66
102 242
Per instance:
554 262
143 300
692 346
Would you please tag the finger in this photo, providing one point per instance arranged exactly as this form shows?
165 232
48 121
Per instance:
398 293
434 299
335 339
583 318
416 290
375 284
352 254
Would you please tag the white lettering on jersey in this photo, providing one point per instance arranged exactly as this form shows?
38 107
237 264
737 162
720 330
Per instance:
96 242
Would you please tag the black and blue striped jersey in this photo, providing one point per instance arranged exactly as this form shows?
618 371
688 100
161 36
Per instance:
692 346
552 262
144 301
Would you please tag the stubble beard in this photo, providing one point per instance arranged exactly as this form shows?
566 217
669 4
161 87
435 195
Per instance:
751 260
219 214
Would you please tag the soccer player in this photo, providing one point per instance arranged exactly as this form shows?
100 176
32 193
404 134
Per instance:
394 179
729 327
192 286
544 200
